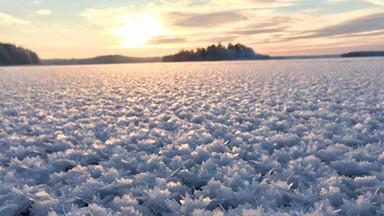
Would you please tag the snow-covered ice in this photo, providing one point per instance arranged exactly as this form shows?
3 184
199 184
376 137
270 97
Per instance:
289 137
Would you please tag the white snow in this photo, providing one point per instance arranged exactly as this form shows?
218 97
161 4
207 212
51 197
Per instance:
288 137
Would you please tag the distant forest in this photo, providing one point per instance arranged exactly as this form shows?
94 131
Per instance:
216 53
108 59
363 54
13 55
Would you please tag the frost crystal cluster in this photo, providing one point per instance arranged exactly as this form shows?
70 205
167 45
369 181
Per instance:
289 137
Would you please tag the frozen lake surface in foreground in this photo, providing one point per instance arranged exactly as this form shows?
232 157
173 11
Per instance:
217 138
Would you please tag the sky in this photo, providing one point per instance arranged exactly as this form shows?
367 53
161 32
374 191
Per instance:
87 28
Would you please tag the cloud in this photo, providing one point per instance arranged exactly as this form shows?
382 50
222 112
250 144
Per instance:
369 25
274 3
221 39
102 17
43 12
377 2
275 21
260 22
257 31
8 20
250 4
368 34
165 40
362 24
206 20
206 6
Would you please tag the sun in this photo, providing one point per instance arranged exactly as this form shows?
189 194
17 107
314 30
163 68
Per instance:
134 30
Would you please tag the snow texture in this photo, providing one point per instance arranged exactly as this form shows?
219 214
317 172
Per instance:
288 137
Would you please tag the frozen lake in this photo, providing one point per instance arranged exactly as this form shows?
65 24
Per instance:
214 138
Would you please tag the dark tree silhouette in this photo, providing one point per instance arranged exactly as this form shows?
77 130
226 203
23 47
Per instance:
108 59
363 54
13 55
216 53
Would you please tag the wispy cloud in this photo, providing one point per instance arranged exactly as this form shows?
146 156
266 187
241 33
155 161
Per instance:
210 6
370 23
362 24
206 20
43 12
377 2
8 20
103 17
257 31
374 2
221 39
166 40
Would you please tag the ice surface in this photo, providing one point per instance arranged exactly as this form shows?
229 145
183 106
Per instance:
288 137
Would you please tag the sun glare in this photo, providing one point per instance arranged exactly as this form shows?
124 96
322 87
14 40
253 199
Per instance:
134 30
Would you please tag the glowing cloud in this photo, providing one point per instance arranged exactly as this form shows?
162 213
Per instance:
377 2
8 20
134 30
43 12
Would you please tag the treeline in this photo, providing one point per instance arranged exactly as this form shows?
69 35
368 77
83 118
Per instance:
108 59
363 54
13 55
216 53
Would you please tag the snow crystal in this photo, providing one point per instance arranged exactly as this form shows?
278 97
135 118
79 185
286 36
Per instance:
288 137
